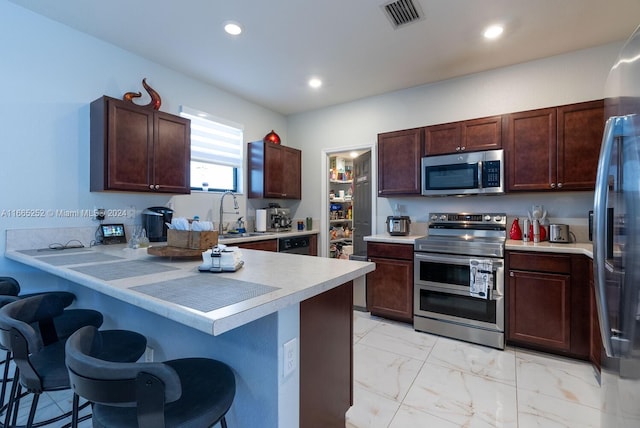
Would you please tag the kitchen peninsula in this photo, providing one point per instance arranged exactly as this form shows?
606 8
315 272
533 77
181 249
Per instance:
243 318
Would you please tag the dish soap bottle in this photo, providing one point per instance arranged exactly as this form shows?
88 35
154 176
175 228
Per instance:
515 233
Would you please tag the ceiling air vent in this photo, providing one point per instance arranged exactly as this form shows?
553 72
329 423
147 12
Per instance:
402 12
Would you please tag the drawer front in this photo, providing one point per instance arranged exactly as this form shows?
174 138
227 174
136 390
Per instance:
528 261
390 251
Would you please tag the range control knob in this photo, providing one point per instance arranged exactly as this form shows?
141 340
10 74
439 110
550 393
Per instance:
443 217
434 217
497 218
487 217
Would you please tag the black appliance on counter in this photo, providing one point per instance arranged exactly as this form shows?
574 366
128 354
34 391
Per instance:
154 220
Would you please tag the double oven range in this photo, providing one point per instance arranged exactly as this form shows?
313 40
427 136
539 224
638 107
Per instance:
459 278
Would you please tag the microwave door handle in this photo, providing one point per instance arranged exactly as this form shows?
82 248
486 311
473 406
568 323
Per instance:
480 174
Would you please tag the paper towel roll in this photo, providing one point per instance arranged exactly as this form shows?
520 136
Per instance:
261 220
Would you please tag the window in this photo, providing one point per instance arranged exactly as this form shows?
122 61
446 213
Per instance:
216 152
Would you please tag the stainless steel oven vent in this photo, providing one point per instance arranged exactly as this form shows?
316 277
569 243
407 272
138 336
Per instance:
402 12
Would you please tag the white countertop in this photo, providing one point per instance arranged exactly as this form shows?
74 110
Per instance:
297 277
510 245
408 239
264 236
549 247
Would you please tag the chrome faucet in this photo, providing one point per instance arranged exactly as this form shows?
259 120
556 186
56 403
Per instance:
222 212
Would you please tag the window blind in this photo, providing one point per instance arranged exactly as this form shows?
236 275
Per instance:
213 140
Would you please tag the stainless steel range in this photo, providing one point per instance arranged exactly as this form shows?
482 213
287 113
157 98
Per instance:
459 277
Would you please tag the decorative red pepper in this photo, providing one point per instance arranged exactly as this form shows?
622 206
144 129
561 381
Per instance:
515 232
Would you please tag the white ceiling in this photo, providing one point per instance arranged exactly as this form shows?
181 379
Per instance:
349 44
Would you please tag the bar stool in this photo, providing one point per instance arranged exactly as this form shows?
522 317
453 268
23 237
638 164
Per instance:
194 392
39 352
65 325
9 286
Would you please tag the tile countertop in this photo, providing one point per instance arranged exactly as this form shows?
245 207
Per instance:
296 277
511 245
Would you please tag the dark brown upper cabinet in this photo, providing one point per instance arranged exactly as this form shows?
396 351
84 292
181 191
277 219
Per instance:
554 148
138 149
465 136
274 171
399 155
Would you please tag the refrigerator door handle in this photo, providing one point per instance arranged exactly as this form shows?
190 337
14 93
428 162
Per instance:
612 128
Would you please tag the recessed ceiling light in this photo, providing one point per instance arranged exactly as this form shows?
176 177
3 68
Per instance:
493 31
353 154
315 83
232 28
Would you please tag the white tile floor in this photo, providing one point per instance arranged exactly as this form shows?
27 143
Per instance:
404 378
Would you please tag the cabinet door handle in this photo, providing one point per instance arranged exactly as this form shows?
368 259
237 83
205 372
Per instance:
151 186
157 186
559 185
553 185
463 148
458 149
511 273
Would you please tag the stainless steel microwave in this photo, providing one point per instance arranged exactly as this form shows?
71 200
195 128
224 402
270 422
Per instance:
474 173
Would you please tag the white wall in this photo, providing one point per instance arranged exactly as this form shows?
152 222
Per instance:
50 74
574 77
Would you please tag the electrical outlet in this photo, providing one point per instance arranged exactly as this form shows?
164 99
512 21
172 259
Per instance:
148 355
290 357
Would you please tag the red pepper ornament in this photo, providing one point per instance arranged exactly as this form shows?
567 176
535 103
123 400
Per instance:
515 233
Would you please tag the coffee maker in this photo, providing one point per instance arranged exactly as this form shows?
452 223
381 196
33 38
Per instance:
154 220
278 219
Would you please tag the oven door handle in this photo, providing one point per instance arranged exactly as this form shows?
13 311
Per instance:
457 260
495 295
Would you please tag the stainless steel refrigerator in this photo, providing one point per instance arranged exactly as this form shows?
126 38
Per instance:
616 241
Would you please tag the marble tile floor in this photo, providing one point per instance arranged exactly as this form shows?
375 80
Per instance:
51 404
404 378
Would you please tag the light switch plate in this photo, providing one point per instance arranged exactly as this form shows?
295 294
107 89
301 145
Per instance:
290 357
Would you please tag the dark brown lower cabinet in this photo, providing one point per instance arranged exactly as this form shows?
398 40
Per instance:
540 309
326 358
390 286
313 245
548 302
272 245
268 245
